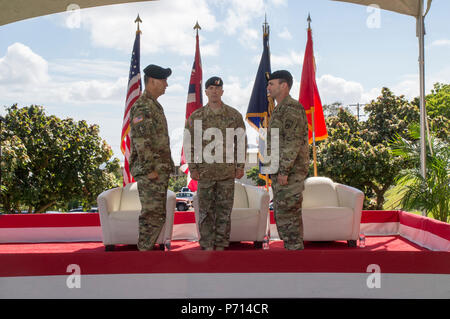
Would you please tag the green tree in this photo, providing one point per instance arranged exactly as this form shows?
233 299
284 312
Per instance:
429 194
347 158
65 161
333 109
388 116
438 110
253 174
438 101
177 182
358 153
13 157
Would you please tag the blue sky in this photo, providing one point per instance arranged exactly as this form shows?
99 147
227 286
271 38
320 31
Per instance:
76 63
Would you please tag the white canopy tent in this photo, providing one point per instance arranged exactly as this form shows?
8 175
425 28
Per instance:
408 7
413 8
12 11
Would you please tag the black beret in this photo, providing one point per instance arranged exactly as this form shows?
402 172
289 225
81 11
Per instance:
282 74
215 80
157 72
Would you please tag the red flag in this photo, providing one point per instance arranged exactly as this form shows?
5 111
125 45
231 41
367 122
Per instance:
133 93
309 94
194 101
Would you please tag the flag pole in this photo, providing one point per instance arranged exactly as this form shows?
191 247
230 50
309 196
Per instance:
194 102
314 141
133 93
312 118
266 118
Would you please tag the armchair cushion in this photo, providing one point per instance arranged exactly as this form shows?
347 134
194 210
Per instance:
245 225
250 213
129 200
328 223
125 214
240 196
319 192
119 211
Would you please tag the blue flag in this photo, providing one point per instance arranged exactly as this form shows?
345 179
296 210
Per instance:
259 103
260 106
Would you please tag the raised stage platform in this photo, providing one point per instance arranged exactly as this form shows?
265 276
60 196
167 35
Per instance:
397 262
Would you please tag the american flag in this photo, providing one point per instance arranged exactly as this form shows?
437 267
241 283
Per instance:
133 93
194 101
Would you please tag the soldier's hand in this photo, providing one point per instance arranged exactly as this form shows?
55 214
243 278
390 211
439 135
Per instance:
195 175
153 175
282 179
239 173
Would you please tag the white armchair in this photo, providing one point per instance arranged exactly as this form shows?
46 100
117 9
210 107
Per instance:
119 209
331 211
250 214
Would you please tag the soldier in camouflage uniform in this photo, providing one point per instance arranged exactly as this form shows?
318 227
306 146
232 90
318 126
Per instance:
150 159
215 172
288 183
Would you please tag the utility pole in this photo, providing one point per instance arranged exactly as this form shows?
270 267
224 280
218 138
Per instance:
357 109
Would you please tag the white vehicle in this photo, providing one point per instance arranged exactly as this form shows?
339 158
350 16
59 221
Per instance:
184 200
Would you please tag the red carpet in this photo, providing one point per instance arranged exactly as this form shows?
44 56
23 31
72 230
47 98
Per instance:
379 243
393 253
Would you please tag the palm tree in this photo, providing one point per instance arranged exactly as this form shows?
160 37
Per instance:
430 194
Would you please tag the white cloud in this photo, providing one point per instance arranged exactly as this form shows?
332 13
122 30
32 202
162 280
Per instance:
441 42
277 3
96 91
249 38
334 89
285 34
409 85
240 13
209 49
289 59
22 66
71 69
237 94
176 88
28 78
167 25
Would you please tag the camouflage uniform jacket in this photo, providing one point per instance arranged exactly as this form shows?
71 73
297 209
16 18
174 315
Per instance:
290 118
225 117
150 145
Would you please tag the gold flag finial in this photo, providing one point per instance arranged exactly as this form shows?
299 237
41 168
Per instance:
138 20
265 25
197 27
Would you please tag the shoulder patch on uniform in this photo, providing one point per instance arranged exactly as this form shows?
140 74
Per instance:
138 119
288 124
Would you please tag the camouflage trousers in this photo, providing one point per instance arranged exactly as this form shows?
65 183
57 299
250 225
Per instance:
153 197
216 202
288 210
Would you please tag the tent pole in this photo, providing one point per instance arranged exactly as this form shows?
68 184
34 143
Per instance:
421 35
314 140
